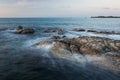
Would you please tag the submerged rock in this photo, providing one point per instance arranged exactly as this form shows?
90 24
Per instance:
58 31
96 31
103 32
79 30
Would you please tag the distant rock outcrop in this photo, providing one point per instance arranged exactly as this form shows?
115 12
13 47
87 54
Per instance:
105 16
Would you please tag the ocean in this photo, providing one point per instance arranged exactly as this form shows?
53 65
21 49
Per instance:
20 60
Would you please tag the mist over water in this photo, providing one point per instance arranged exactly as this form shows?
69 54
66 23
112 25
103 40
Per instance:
21 60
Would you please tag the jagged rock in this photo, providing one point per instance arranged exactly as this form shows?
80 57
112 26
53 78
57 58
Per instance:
106 49
83 45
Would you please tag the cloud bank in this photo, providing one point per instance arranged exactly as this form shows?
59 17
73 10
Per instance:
58 8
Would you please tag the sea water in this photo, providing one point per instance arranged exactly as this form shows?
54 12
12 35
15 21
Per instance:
20 60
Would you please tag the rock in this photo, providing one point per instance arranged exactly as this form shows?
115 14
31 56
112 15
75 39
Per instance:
79 30
103 32
27 31
21 30
89 51
83 45
58 31
95 47
91 31
75 48
56 37
105 17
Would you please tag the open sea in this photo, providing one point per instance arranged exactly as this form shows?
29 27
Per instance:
20 60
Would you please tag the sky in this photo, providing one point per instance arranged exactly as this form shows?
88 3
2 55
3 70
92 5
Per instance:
59 8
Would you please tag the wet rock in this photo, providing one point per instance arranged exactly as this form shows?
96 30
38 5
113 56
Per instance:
21 30
27 31
91 31
79 30
56 37
107 49
58 31
75 48
103 32
83 45
89 51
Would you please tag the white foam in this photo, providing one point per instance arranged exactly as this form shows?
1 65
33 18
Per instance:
87 58
94 58
30 43
79 58
73 34
46 47
14 30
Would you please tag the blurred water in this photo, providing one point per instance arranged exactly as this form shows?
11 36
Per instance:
85 23
20 61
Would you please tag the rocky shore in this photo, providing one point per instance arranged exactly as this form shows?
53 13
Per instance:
64 47
84 45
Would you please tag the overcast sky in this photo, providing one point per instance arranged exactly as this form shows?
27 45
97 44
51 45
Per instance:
58 8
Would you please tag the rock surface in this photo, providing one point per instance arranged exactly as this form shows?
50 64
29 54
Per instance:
105 48
84 45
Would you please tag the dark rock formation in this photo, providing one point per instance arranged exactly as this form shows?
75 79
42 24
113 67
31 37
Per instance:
58 31
91 31
106 32
95 31
79 30
21 30
105 16
103 32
